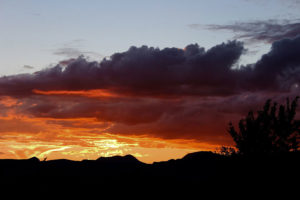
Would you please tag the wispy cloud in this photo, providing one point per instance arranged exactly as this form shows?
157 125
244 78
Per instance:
267 31
28 67
74 49
286 3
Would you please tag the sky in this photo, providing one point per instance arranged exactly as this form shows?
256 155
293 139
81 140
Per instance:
155 79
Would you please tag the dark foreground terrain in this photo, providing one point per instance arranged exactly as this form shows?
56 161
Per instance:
200 168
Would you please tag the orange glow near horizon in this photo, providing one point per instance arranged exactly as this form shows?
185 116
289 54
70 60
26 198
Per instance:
27 137
23 135
146 150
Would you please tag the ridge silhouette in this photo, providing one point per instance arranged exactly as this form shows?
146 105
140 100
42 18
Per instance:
194 173
205 166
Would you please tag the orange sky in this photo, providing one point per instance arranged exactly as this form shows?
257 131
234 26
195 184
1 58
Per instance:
86 134
25 136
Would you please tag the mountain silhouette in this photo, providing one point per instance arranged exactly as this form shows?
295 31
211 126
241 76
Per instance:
121 171
201 156
128 159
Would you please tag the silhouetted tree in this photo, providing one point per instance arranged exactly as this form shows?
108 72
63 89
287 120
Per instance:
226 151
270 131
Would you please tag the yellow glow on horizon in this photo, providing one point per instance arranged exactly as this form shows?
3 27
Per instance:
145 149
23 137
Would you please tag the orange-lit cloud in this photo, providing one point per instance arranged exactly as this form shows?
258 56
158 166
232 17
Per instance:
151 103
54 142
8 101
24 137
86 93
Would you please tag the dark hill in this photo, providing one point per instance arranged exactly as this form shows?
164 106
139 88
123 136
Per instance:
195 168
121 160
201 156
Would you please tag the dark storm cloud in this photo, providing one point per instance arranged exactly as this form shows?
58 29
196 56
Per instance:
174 71
268 31
278 70
148 71
140 71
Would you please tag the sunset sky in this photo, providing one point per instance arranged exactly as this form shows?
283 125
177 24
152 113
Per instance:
80 79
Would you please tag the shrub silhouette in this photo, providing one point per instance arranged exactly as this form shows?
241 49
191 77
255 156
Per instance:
226 151
271 131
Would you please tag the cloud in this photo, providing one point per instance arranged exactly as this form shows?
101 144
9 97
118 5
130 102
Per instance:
73 49
288 8
169 93
72 52
28 67
169 72
130 111
140 71
278 70
268 31
68 51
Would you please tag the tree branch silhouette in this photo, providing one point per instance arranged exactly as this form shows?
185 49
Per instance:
270 131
